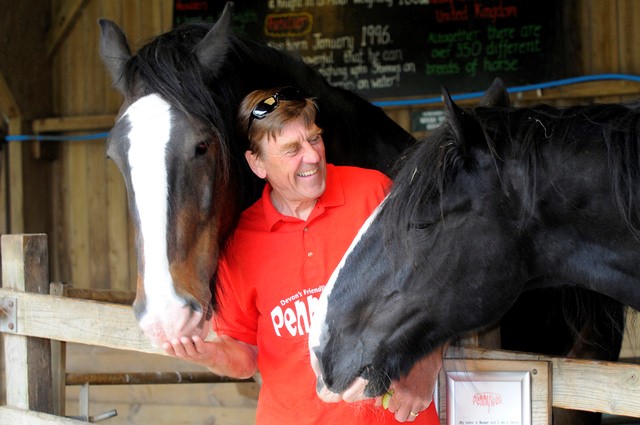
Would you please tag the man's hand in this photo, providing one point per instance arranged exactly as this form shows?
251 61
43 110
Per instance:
222 355
413 393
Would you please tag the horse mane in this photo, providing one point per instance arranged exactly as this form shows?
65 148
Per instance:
422 174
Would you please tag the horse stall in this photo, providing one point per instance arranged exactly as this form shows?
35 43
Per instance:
72 350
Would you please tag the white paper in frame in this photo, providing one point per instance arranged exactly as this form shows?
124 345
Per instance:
488 398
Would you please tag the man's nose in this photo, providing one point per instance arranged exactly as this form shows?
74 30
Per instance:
310 154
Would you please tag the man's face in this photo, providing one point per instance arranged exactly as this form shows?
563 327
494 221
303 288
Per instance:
294 163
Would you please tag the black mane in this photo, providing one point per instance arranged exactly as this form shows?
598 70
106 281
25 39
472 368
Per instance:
520 134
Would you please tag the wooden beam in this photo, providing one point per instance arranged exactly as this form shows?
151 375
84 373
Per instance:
58 362
15 183
63 22
79 321
78 123
9 108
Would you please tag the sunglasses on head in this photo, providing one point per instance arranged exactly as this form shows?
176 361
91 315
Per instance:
268 105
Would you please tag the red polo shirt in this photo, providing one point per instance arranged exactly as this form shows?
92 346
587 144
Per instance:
270 279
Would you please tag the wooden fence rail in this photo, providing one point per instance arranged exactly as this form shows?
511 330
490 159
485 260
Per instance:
36 318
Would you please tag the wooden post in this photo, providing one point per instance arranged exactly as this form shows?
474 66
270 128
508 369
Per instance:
15 184
25 267
58 361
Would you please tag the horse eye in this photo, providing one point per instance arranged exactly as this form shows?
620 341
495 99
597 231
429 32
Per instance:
419 225
202 148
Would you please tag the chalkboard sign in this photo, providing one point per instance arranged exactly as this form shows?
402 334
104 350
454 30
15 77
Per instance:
405 48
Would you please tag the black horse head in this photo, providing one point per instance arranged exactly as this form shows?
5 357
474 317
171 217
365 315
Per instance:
498 200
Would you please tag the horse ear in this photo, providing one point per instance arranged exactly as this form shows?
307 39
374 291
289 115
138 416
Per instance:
212 49
114 51
455 116
496 95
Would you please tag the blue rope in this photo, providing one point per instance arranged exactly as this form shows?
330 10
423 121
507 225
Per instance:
384 103
530 87
40 137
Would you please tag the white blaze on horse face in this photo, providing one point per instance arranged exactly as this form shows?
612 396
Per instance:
318 320
150 120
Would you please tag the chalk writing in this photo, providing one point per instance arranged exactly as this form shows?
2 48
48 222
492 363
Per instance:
394 48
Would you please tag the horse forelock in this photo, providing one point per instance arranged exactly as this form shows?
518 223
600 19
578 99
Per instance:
169 66
420 177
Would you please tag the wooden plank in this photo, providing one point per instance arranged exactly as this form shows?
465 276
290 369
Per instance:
604 36
63 22
631 341
606 387
12 415
116 297
163 414
98 220
9 108
15 183
597 386
167 16
4 193
79 224
27 360
58 361
629 33
78 123
80 321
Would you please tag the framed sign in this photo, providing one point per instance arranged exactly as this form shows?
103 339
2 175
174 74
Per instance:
481 391
488 398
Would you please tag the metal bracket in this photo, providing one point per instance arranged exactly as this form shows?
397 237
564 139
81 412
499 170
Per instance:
8 314
84 408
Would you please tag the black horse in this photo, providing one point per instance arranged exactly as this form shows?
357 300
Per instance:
498 201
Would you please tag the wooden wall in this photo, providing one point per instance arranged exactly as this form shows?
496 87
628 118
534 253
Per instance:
91 237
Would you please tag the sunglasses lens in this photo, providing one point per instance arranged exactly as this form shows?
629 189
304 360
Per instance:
266 106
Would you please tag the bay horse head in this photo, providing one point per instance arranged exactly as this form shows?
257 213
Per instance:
497 201
172 145
176 143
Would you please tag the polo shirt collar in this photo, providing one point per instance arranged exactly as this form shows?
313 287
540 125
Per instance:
333 196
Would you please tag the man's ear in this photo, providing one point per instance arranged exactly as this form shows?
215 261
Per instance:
256 165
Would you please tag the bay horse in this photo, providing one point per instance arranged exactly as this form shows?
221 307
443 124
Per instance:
496 202
176 145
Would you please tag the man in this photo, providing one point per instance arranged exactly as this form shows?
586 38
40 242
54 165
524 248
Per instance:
282 253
